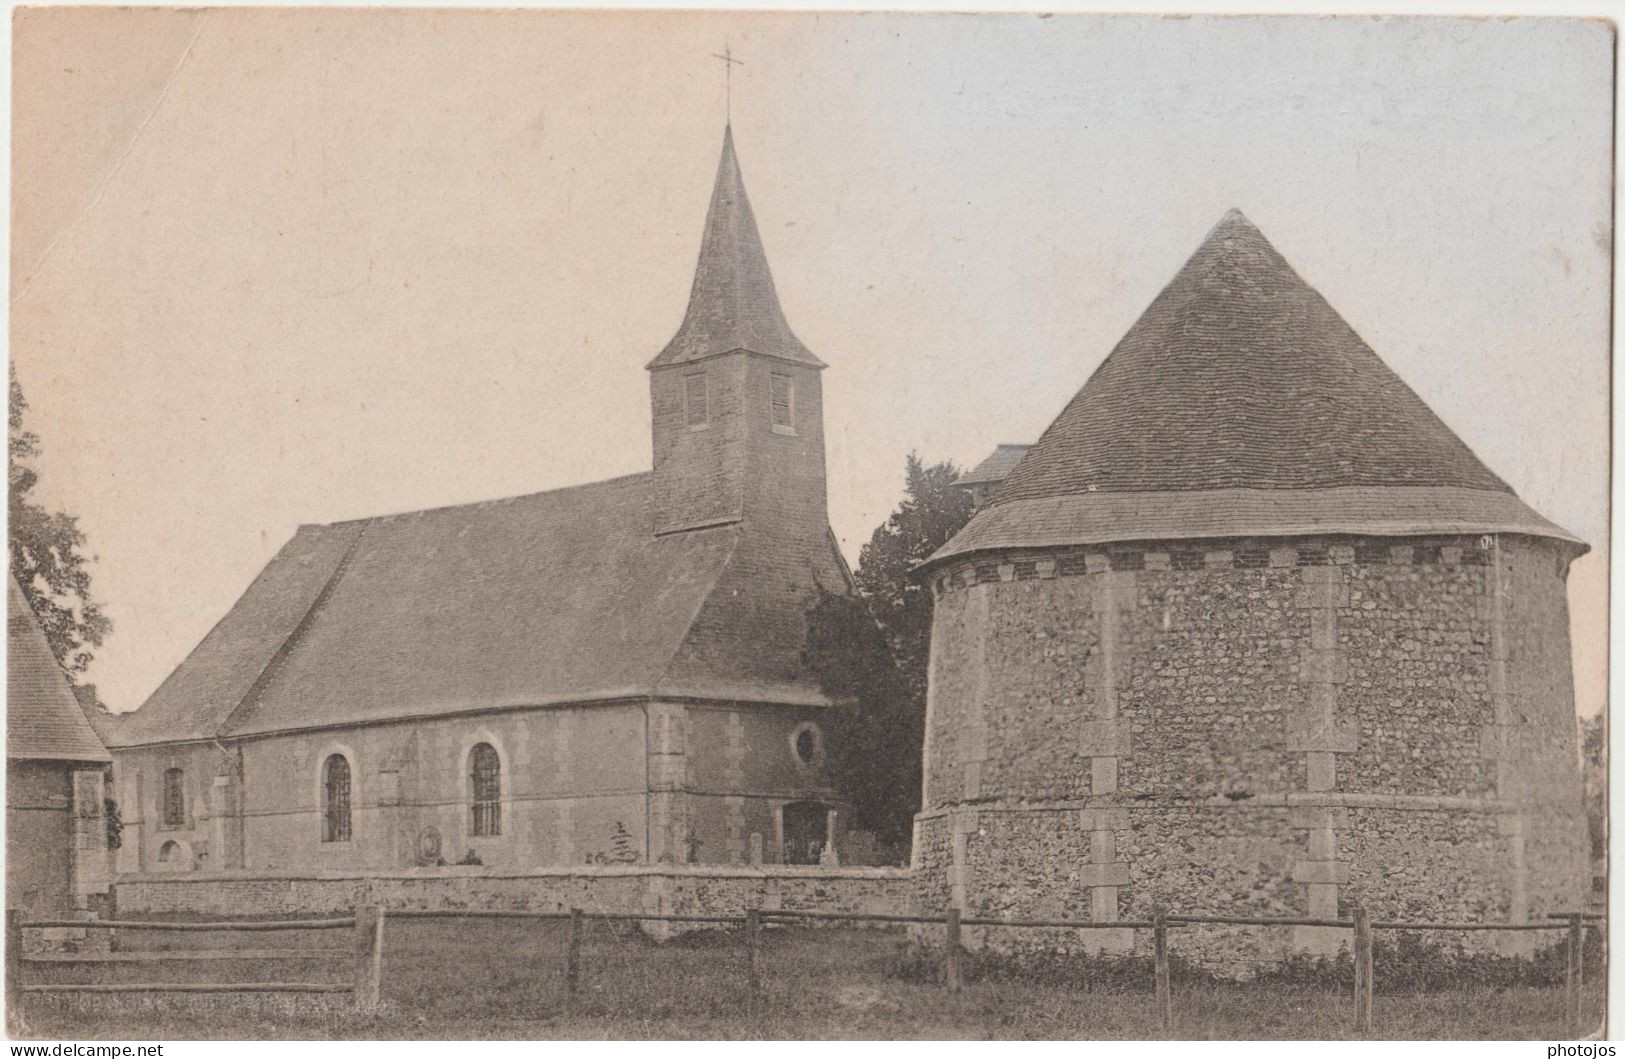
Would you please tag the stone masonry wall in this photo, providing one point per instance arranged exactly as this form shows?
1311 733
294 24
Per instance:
1269 727
713 890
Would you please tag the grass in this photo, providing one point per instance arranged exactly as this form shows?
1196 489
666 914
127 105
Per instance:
504 980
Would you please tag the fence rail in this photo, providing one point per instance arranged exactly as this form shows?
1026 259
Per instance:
224 924
366 923
367 926
163 955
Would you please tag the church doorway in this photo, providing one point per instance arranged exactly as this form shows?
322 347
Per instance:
806 829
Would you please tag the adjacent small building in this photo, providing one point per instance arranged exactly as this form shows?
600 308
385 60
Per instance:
981 481
56 828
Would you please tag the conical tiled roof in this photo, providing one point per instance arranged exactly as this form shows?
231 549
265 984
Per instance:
1241 404
733 304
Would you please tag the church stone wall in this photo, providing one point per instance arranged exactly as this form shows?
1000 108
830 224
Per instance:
674 889
1254 727
662 783
207 836
568 778
743 771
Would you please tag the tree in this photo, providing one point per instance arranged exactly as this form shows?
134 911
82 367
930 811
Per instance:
48 557
1594 771
871 653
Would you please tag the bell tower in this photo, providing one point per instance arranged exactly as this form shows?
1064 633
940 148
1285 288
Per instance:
736 398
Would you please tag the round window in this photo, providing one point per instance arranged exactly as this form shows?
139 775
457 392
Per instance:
807 742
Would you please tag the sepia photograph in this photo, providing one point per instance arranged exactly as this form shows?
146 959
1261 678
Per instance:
738 525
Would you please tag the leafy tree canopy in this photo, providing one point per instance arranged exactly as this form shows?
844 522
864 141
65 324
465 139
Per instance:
48 557
871 653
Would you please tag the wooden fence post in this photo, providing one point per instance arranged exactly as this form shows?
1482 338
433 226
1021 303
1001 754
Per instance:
572 957
1575 977
1159 948
365 994
14 967
951 957
376 986
753 927
1363 971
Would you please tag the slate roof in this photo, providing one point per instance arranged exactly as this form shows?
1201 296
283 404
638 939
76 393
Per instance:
43 718
556 597
1240 404
733 303
552 598
996 467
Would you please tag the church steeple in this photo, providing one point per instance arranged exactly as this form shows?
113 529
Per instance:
733 304
736 399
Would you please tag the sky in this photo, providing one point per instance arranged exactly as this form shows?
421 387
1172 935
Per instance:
273 267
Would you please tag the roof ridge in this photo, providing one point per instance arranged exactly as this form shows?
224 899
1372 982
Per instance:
384 516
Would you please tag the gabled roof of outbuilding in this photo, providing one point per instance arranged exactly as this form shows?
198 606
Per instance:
1241 404
551 598
733 304
997 466
43 718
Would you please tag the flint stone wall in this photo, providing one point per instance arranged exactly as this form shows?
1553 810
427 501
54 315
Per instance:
700 890
1269 728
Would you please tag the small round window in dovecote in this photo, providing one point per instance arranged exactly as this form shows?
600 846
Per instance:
807 744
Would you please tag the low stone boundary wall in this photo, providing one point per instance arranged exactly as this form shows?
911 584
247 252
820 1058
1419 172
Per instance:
657 889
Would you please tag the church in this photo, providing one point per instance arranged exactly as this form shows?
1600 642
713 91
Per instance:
606 673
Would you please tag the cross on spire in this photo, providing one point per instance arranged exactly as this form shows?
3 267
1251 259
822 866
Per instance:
728 64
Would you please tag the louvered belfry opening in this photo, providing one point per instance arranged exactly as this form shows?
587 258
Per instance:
697 411
781 400
336 799
485 786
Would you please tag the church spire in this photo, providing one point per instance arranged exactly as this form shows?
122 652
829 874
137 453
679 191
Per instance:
733 304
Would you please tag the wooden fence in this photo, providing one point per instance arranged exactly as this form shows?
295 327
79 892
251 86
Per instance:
366 953
367 925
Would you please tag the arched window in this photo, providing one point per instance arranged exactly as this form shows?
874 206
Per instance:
174 798
336 799
176 856
485 789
